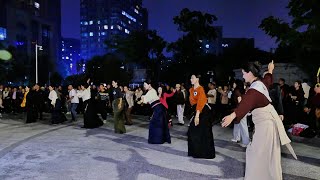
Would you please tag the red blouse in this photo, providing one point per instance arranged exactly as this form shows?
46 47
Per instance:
253 99
198 96
163 99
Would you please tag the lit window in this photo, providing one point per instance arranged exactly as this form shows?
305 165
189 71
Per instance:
91 34
62 49
127 31
103 33
90 22
98 22
36 5
70 65
84 34
136 11
129 16
67 57
85 23
70 46
3 33
70 54
62 57
207 46
105 26
200 40
225 45
119 27
129 21
111 27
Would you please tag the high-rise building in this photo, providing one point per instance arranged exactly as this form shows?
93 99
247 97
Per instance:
70 53
102 20
25 23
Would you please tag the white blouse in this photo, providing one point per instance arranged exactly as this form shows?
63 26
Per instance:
53 97
150 97
85 94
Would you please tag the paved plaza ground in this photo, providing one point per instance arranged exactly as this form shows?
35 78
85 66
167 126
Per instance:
67 152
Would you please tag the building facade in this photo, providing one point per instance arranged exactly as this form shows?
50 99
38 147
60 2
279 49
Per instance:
103 20
25 23
70 53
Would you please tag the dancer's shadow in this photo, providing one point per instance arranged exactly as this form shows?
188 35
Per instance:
137 164
226 165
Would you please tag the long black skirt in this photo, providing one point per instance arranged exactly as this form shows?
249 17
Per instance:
57 116
158 127
91 119
200 138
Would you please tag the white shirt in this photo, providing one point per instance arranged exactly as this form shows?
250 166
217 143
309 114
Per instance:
14 95
73 94
85 94
53 97
5 94
212 100
150 97
306 89
129 98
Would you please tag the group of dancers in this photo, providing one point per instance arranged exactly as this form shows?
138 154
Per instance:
263 154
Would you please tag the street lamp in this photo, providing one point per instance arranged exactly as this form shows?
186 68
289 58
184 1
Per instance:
40 49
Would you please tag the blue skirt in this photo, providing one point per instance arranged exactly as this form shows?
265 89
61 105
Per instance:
158 127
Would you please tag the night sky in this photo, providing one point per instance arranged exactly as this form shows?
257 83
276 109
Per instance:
239 18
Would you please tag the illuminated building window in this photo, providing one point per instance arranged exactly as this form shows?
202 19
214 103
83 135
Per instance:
85 23
90 22
129 16
111 27
119 27
98 22
207 46
136 11
67 57
127 31
105 26
91 34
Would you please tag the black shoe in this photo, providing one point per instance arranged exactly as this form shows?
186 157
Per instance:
180 124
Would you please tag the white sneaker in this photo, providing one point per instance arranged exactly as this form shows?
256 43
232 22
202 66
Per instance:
234 140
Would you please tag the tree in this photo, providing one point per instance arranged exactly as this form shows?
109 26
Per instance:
105 69
144 48
299 39
196 26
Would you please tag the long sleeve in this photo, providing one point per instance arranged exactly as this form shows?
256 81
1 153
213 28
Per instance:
267 80
198 96
53 97
251 100
169 95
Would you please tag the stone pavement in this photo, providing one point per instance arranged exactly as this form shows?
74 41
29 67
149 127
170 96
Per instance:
67 152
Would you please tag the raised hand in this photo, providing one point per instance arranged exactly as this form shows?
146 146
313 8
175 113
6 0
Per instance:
271 67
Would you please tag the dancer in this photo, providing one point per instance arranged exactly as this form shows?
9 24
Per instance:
200 137
240 130
90 117
28 104
57 116
158 127
263 155
163 99
118 109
